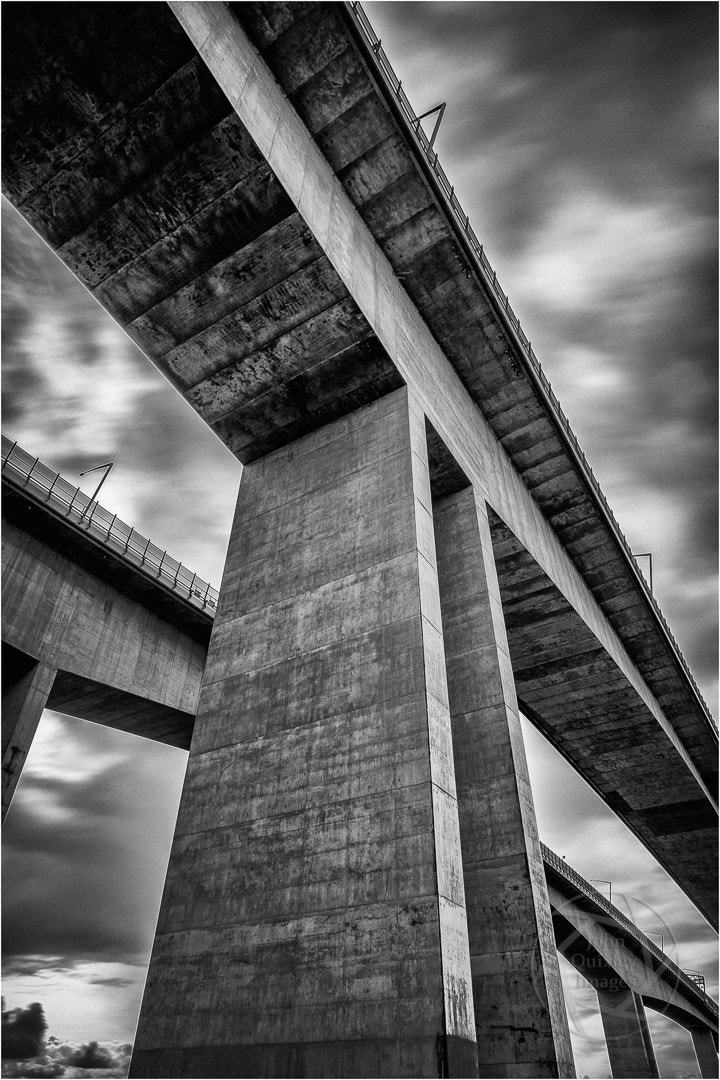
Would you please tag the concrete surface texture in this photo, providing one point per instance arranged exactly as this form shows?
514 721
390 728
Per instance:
356 886
315 885
26 687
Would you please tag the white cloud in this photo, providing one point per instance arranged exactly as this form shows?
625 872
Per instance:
87 1001
591 247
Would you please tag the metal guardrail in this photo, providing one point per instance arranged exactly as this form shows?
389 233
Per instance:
28 473
489 279
601 901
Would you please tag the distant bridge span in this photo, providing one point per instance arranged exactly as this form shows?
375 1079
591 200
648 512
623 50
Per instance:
628 972
419 545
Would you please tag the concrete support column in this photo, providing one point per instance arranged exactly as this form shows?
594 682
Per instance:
24 697
705 1045
313 921
627 1035
521 1020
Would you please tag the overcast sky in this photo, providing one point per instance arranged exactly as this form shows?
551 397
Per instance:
581 139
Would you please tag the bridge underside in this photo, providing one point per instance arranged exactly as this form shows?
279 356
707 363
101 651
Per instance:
90 700
569 686
357 776
125 155
87 699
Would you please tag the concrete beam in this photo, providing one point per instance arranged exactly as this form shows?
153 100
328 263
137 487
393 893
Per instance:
28 509
77 639
91 700
570 687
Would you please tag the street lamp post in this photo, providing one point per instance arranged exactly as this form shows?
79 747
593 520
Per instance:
657 933
107 467
603 881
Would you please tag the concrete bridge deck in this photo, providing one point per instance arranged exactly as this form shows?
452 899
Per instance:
214 259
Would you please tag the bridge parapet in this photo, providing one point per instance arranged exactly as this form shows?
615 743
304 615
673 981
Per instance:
60 497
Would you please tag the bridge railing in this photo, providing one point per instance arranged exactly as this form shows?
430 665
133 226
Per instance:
601 901
30 474
489 279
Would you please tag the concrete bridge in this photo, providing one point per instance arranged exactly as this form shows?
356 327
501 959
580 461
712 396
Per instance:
52 531
628 972
419 549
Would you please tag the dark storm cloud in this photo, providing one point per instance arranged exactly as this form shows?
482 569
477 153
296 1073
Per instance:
618 91
23 1032
188 507
582 140
85 855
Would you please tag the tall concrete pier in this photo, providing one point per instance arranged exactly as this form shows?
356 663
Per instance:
356 886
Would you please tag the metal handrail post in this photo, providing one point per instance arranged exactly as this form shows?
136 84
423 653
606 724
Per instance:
9 453
31 471
50 489
72 500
